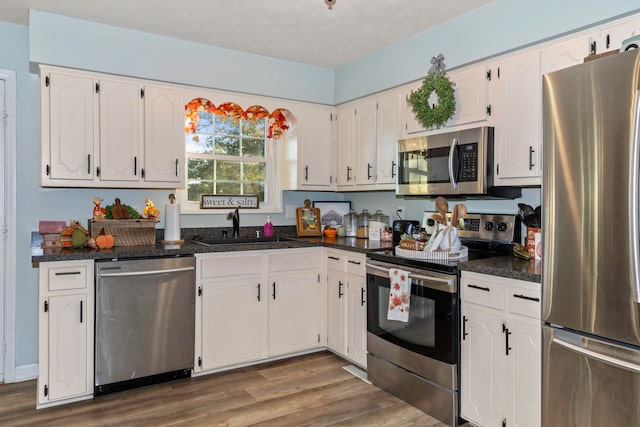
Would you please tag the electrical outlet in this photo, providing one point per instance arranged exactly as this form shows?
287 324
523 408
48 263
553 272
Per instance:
291 211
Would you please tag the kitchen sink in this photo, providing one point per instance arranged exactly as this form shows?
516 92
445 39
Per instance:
241 241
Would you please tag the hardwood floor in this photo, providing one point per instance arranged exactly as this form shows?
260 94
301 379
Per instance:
310 390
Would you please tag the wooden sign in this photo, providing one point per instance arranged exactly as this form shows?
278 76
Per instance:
221 201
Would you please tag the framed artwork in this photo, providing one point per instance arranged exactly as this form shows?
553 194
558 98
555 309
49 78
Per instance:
332 213
308 222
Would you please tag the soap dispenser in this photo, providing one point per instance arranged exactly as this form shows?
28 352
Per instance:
268 228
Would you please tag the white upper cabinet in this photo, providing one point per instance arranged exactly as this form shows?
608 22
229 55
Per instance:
471 88
516 98
68 114
163 136
562 55
368 132
120 121
99 131
389 126
316 148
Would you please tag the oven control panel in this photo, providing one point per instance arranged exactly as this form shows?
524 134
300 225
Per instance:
502 228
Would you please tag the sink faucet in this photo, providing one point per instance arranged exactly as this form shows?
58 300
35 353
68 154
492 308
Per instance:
235 217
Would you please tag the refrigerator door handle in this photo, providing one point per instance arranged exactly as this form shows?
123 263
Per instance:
609 360
634 241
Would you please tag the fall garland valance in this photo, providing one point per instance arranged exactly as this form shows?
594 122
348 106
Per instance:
277 120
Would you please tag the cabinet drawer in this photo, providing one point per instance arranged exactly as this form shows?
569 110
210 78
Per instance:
294 261
74 275
524 301
481 292
357 266
230 266
336 261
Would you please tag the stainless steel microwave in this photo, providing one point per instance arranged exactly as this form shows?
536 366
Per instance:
450 164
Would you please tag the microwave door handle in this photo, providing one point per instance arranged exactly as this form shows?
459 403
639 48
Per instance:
634 204
451 171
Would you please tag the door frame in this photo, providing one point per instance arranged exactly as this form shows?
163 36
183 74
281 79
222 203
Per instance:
9 227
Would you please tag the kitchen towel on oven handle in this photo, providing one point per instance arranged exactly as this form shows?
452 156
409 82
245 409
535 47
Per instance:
399 295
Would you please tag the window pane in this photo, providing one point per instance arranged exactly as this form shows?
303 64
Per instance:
254 171
198 143
253 147
205 122
200 169
227 145
228 126
254 128
196 189
228 188
254 188
227 171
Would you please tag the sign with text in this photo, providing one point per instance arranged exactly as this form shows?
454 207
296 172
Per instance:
220 201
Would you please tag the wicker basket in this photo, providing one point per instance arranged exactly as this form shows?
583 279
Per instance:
128 232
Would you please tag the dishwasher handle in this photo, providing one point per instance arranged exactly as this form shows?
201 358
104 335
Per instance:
146 272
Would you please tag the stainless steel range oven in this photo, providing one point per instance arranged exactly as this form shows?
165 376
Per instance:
417 360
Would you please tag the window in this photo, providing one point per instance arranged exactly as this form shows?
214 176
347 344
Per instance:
230 150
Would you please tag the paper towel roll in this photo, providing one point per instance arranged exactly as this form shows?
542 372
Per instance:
172 222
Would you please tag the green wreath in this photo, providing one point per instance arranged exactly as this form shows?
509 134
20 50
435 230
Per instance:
439 114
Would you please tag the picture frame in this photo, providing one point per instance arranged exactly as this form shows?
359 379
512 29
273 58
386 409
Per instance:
332 213
308 222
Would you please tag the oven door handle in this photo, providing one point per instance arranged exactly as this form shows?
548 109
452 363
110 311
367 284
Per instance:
411 274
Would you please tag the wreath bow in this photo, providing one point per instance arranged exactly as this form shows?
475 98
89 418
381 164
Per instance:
438 66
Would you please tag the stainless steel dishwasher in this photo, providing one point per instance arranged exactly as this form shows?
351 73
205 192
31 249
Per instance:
145 321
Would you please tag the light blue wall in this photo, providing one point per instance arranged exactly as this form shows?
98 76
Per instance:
68 42
75 43
496 28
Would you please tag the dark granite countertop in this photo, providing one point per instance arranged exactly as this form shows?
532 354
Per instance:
190 248
506 266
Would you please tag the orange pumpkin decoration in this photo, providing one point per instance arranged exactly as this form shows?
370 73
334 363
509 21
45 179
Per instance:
105 241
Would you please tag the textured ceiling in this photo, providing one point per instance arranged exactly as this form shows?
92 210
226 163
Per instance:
303 31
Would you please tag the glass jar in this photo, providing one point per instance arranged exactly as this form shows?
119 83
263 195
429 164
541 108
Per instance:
350 223
378 216
362 230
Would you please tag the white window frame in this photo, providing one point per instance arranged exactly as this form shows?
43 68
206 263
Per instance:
273 156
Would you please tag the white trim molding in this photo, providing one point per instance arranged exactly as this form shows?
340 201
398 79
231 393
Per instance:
9 78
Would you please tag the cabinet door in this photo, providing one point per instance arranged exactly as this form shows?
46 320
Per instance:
523 373
482 366
163 136
389 127
316 148
294 311
336 311
471 92
518 136
365 124
69 127
563 55
410 124
233 321
357 320
346 143
120 131
67 346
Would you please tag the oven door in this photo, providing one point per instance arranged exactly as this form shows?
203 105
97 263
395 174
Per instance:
432 328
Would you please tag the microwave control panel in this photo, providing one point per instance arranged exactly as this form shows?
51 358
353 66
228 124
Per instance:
469 162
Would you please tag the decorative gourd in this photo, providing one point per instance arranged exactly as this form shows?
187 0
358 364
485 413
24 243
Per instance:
105 241
74 236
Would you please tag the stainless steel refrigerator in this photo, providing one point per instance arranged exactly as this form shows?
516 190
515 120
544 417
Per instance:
591 241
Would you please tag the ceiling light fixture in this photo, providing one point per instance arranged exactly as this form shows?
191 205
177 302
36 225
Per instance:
330 3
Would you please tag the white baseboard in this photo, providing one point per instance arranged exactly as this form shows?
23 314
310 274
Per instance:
26 372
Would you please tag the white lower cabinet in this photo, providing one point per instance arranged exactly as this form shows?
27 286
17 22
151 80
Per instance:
346 303
501 351
66 332
255 305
